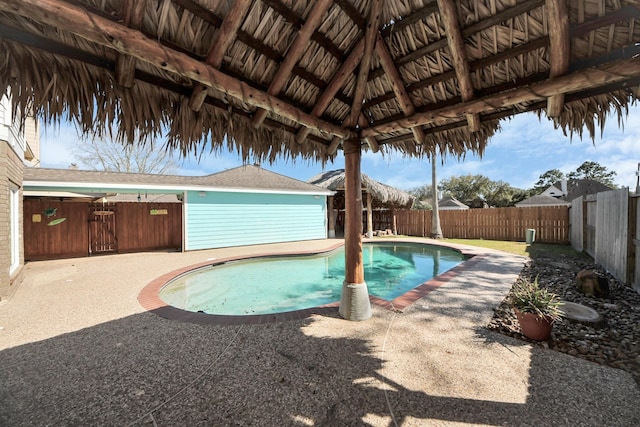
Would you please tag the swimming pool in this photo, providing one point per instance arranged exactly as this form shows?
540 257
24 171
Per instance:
281 284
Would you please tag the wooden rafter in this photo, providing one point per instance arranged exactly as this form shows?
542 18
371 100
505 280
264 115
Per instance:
398 85
468 31
133 12
293 55
295 20
535 106
223 38
588 78
345 70
127 41
405 21
363 73
458 51
365 63
559 49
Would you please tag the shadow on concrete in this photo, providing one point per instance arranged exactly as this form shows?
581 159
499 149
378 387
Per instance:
146 370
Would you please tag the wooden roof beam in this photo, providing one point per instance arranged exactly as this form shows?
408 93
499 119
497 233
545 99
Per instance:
291 17
365 63
398 85
133 12
501 114
589 78
559 49
449 17
363 71
338 80
223 38
405 21
294 54
122 39
470 30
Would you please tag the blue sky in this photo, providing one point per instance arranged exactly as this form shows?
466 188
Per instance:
525 148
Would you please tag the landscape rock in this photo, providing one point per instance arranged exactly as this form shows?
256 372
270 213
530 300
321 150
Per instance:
614 342
592 284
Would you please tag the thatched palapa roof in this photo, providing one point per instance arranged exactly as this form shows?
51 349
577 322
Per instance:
296 78
383 195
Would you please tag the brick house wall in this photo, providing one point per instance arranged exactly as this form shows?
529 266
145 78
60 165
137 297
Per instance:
10 177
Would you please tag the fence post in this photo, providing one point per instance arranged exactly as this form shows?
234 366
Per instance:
631 241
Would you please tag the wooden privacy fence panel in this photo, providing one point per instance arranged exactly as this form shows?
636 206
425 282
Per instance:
412 223
47 235
145 226
635 202
610 232
612 226
576 217
550 223
589 218
135 227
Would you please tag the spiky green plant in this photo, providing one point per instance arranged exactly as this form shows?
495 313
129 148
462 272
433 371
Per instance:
528 297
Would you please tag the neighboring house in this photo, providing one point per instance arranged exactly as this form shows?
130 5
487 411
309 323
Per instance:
541 200
571 189
563 192
246 205
17 146
450 203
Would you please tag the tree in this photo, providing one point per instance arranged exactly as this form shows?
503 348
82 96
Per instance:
436 229
594 171
477 190
110 155
422 197
500 194
469 189
547 179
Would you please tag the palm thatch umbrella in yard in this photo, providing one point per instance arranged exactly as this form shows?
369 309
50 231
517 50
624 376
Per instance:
317 79
378 195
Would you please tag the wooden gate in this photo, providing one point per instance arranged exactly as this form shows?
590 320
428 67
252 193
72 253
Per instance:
102 229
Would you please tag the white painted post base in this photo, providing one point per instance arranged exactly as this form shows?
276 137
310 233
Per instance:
332 234
354 301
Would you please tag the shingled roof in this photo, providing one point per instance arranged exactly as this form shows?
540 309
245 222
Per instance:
270 78
249 177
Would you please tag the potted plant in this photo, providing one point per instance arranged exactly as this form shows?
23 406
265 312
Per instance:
536 308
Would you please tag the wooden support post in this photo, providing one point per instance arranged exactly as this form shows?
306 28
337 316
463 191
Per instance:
559 49
331 218
354 301
369 216
394 222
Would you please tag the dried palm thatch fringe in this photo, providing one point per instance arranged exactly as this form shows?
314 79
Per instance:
506 46
383 195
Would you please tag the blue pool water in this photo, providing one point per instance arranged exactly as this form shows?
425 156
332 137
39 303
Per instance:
280 284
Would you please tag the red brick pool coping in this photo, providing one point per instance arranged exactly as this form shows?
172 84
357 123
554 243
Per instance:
149 296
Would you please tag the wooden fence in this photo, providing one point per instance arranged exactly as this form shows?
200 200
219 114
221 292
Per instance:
607 227
551 224
54 229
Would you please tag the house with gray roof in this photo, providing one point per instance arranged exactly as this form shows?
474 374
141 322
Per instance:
570 189
541 200
450 203
246 205
563 192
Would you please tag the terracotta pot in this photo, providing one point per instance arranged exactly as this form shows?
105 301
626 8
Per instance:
533 326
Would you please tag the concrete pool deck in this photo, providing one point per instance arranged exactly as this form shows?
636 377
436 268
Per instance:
77 348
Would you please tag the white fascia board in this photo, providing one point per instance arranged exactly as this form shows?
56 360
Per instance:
178 189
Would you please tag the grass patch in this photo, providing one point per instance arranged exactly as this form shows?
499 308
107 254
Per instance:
520 248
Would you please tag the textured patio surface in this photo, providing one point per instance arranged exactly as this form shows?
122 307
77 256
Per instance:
76 348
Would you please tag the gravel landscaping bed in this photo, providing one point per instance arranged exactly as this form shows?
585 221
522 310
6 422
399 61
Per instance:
614 341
